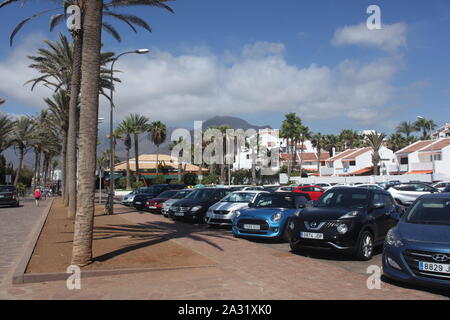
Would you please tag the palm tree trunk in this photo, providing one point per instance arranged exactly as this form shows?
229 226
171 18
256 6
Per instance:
63 164
289 160
19 168
36 173
157 159
66 187
136 155
128 170
72 132
84 219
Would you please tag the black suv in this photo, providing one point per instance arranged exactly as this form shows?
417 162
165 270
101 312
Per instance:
144 194
197 203
8 196
351 220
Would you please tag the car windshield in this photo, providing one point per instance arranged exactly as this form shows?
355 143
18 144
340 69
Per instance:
7 189
201 194
345 198
244 197
271 188
279 201
182 194
430 211
167 194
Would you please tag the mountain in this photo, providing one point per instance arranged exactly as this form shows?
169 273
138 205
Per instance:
232 122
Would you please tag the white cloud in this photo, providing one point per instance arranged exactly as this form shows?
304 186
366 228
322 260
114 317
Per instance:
390 38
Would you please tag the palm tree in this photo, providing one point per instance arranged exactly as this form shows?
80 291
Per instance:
426 126
332 141
157 134
125 129
21 138
375 140
289 132
6 127
406 128
180 157
139 124
304 134
318 141
350 139
396 142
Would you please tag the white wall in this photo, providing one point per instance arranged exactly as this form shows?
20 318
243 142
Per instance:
364 179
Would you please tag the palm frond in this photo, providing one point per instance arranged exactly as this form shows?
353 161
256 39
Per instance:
56 19
112 31
129 3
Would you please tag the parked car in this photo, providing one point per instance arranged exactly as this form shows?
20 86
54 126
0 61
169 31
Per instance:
223 212
140 199
196 204
417 250
155 205
268 215
349 220
315 192
279 188
441 185
128 199
8 196
446 190
181 194
324 186
406 193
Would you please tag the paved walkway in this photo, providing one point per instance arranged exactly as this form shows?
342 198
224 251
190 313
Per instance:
245 270
16 225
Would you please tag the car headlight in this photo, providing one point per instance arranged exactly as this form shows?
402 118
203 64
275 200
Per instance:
237 214
350 215
277 217
196 208
393 239
342 228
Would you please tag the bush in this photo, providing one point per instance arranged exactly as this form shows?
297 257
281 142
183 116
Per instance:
210 179
190 179
159 179
21 189
136 184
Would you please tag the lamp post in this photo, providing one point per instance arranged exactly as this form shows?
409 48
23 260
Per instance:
111 129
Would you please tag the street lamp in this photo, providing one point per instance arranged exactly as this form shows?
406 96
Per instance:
111 129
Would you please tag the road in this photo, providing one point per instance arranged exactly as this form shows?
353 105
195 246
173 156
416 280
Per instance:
15 228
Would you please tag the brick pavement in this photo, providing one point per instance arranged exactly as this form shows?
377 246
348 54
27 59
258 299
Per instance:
15 227
245 270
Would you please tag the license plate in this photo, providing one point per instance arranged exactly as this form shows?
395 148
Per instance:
152 207
310 235
138 202
434 267
252 226
179 214
2 196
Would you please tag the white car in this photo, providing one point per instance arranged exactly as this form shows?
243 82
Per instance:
323 185
128 199
441 185
369 186
223 212
406 193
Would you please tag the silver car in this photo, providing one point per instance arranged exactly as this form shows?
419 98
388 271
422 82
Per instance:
128 199
178 196
223 212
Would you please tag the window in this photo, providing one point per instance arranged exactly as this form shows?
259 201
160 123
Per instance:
378 198
435 157
404 161
352 163
388 202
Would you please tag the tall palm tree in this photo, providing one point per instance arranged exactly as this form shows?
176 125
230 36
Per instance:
21 138
84 219
406 128
426 126
6 127
304 134
350 139
332 142
375 140
289 132
58 106
180 157
157 134
318 141
140 124
125 129
396 142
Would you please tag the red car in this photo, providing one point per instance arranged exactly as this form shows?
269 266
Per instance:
155 205
315 192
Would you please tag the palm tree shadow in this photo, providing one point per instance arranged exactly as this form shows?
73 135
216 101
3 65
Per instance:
151 233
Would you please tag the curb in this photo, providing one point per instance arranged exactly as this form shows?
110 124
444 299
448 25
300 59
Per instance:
62 276
19 271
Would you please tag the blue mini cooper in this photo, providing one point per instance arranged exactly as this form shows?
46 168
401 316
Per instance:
268 216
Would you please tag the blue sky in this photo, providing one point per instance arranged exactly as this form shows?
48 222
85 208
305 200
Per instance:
262 59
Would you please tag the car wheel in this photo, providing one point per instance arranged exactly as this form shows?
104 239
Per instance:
284 237
365 246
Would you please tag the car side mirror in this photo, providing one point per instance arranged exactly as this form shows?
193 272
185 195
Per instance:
301 206
378 205
251 204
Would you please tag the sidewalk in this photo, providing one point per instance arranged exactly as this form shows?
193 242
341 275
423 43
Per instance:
245 270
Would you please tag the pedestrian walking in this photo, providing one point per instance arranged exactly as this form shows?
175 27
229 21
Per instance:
46 191
37 195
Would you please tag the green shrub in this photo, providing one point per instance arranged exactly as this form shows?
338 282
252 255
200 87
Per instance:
210 179
136 184
21 189
159 179
190 179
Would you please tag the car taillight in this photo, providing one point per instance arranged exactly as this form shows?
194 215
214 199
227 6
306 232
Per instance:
158 205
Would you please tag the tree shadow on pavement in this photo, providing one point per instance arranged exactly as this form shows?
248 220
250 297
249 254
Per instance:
151 233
